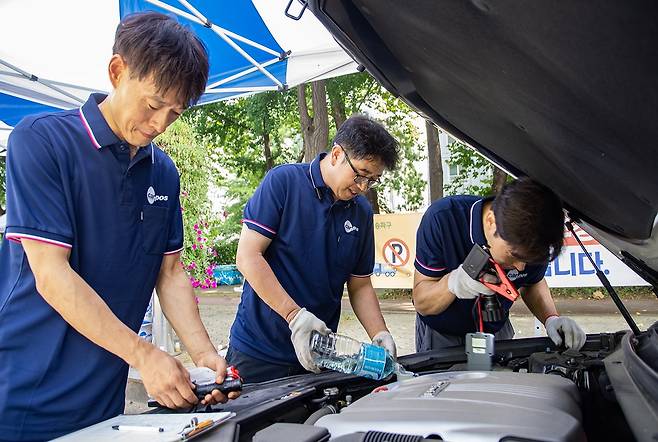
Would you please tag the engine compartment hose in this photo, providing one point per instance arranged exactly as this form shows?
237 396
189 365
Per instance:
316 415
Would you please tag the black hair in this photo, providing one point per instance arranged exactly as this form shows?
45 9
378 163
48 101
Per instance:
365 138
530 217
154 44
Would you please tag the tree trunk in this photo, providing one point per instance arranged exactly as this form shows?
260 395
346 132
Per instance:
373 197
315 129
434 160
338 112
499 179
269 161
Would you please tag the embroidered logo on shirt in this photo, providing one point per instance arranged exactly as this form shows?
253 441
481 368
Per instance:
349 228
514 274
151 197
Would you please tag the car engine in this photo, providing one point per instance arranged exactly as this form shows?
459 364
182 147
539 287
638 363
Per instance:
468 406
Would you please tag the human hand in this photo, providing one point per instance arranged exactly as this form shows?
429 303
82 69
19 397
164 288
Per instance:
385 339
218 364
463 286
165 378
301 326
559 326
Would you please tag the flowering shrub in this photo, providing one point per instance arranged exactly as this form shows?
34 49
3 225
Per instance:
204 246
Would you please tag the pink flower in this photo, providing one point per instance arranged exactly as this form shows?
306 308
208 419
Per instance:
195 284
194 246
199 239
196 227
201 246
213 284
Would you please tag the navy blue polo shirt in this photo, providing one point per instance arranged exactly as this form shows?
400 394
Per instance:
317 245
71 183
446 235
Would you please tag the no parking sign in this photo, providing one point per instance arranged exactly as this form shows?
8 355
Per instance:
396 252
395 249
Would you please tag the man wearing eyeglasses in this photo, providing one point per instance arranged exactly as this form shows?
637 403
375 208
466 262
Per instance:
307 231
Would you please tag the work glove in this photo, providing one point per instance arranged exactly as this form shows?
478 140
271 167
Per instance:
559 326
301 326
464 287
385 339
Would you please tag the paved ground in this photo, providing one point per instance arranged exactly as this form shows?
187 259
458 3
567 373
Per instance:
218 309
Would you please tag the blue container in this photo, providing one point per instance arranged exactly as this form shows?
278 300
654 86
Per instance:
227 275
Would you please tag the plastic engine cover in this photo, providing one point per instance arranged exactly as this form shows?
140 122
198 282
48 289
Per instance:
468 406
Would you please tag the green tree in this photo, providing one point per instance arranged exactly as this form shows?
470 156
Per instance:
476 175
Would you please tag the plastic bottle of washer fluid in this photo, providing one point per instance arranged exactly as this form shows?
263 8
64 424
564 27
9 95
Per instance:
347 355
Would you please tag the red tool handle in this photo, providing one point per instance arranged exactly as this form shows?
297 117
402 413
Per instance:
505 287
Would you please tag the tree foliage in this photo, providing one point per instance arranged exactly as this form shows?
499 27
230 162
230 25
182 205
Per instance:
476 174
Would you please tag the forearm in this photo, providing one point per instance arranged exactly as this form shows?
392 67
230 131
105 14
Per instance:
262 279
539 301
432 296
178 304
86 312
366 307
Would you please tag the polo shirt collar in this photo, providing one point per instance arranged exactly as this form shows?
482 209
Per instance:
97 128
476 229
316 175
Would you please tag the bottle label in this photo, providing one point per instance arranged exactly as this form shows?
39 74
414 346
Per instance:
374 362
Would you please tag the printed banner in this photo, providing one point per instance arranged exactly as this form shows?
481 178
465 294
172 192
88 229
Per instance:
395 251
574 269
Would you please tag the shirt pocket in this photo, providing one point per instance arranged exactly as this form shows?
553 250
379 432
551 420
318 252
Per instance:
154 229
348 251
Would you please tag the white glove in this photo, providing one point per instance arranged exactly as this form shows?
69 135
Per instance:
464 287
301 326
385 339
558 326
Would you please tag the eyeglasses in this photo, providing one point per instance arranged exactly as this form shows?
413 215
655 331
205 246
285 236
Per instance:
358 178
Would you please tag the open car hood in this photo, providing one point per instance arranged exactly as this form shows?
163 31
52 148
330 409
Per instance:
565 93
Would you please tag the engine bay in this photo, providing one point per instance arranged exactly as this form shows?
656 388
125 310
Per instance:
534 392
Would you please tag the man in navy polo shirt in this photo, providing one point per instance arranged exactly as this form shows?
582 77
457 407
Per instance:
94 224
522 228
306 232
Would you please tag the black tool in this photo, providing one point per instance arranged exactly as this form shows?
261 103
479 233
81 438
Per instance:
229 385
478 264
225 387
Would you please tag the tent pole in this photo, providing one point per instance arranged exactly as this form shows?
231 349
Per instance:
34 78
240 74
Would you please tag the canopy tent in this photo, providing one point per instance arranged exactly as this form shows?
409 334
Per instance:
55 53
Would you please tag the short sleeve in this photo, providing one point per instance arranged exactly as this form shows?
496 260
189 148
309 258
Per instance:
264 209
175 239
366 261
38 191
430 260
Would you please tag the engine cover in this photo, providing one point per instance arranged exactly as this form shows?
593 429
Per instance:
468 406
